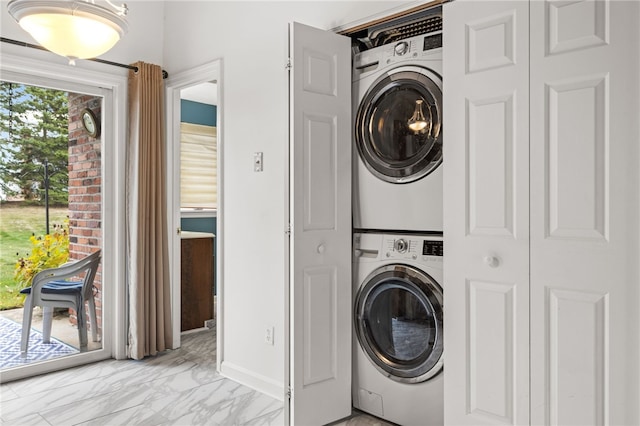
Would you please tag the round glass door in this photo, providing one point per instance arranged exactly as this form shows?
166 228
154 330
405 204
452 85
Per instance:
398 317
398 125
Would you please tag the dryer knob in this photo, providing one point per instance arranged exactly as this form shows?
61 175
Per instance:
401 48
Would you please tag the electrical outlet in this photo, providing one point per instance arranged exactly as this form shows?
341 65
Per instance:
268 335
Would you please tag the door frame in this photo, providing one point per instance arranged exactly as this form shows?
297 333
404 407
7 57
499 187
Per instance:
112 86
210 71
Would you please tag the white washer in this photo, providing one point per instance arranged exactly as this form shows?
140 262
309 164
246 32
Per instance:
398 313
397 163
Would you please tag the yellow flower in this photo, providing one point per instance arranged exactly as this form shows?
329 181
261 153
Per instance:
48 251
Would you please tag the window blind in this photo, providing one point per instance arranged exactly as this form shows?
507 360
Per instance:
198 166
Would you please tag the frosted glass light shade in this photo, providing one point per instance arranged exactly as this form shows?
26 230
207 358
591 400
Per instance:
417 121
74 29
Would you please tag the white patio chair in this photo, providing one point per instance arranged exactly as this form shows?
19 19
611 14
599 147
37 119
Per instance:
52 288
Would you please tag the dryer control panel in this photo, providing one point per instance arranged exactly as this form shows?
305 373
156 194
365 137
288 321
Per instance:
416 48
410 247
432 248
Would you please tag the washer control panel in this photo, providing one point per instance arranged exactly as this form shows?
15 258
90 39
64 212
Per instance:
427 249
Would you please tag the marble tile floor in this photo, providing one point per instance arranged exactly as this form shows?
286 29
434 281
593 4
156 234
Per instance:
179 387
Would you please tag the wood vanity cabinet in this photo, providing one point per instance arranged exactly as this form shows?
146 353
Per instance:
196 279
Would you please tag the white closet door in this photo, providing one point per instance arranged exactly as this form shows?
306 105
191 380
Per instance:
584 212
320 182
486 202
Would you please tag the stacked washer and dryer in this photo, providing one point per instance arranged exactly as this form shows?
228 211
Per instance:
397 220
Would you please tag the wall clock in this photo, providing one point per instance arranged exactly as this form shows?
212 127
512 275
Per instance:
90 122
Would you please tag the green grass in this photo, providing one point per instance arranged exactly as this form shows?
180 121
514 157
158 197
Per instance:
17 224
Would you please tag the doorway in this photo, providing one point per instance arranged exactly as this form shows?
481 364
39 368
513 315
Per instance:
194 110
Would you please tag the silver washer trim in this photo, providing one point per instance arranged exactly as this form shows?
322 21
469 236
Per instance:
425 289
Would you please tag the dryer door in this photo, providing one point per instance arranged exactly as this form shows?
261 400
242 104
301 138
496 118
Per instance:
398 321
398 125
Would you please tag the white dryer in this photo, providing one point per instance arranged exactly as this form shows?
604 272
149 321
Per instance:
398 320
397 92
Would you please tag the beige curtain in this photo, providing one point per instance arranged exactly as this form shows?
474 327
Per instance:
150 328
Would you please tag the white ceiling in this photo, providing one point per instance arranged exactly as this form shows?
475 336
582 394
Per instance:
205 93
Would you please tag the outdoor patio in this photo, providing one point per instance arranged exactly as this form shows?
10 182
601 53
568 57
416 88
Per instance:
61 330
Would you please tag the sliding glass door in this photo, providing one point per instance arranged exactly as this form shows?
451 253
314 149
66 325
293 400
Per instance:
59 205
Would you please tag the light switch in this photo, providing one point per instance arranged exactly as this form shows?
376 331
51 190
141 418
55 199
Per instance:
257 161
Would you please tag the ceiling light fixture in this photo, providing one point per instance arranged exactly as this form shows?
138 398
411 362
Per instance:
75 29
417 121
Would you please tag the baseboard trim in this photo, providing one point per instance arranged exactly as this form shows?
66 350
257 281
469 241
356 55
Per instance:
255 381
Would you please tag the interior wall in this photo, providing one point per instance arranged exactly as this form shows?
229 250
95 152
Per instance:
198 113
251 38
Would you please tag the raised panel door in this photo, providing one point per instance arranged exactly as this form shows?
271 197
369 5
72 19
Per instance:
486 200
584 212
320 202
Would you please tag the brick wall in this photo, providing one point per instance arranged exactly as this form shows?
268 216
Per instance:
85 189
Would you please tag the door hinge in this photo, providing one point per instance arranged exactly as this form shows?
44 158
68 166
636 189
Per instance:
289 392
288 66
288 230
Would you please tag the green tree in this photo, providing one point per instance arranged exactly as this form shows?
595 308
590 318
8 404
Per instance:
34 130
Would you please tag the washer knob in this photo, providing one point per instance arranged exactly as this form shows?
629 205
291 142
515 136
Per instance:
401 48
401 245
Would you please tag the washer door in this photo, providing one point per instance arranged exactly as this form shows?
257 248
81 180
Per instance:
388 146
398 321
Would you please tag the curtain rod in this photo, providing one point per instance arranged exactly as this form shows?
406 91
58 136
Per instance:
102 61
